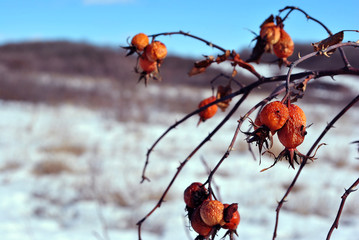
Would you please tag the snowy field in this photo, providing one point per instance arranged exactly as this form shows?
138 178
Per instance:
68 172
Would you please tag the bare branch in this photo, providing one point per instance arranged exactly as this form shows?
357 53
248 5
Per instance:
219 126
210 44
344 198
345 59
305 159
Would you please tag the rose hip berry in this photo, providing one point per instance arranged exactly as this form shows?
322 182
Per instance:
156 51
291 135
195 194
293 132
274 115
212 212
146 65
231 217
140 41
270 33
284 48
199 225
208 112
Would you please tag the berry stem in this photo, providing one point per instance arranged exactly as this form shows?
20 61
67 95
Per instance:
305 159
219 126
191 36
291 8
340 210
310 55
275 93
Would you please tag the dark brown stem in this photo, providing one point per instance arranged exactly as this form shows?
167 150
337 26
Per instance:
219 126
292 8
178 123
344 57
344 197
230 146
310 55
189 35
288 78
274 94
305 159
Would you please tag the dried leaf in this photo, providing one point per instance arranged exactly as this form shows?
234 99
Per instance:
330 41
204 63
196 70
131 50
223 57
229 211
303 85
201 66
223 91
238 61
268 20
258 50
234 73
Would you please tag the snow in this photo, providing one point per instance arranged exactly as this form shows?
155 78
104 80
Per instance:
98 195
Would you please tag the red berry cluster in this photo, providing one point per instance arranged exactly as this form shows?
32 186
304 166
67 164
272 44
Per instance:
288 122
206 215
273 39
151 55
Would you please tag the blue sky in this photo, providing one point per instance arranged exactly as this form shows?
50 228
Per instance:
111 22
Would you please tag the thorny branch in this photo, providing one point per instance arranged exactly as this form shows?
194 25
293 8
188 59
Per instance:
219 126
344 198
305 159
275 93
289 81
310 55
288 77
246 91
291 8
189 35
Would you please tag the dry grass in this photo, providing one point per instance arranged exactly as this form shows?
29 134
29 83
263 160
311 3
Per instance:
115 90
51 167
10 166
65 148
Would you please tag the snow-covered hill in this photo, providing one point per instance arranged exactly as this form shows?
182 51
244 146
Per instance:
70 172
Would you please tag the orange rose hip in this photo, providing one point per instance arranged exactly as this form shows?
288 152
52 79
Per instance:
293 132
233 223
156 51
195 194
212 212
274 115
140 41
146 65
270 33
284 48
208 112
257 123
198 225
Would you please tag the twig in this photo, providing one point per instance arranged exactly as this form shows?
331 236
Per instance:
189 35
178 123
219 126
288 77
305 159
344 198
274 94
292 8
345 59
212 182
310 55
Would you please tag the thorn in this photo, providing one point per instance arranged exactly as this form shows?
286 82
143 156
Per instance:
351 190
